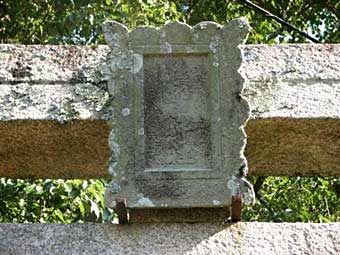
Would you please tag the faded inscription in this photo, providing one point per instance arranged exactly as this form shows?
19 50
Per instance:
177 124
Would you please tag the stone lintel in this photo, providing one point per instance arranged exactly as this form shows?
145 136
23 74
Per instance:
293 90
165 238
79 149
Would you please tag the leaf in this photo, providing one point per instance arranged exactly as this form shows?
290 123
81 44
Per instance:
59 214
95 209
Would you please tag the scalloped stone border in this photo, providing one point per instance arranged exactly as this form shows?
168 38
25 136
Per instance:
228 117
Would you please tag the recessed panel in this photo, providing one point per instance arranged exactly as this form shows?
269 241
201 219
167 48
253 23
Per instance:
176 120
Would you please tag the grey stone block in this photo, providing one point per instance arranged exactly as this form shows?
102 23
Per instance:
206 238
177 137
55 110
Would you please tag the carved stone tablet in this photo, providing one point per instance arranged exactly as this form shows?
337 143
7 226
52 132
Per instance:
177 135
176 115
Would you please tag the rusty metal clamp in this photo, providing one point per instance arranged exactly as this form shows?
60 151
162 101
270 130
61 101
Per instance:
236 208
121 211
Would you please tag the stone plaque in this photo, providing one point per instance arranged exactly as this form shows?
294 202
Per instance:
177 135
176 116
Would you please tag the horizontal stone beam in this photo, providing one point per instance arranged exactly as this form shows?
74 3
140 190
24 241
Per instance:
55 110
240 238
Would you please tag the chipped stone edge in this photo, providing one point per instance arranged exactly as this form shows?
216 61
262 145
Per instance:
122 58
239 183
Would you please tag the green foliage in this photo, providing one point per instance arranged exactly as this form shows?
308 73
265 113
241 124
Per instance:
75 21
53 201
279 199
296 200
78 21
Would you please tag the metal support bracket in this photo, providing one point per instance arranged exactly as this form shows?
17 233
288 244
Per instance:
121 211
236 208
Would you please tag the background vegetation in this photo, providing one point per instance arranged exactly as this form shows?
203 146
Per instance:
78 22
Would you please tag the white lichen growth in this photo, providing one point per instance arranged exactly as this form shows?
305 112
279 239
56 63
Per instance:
144 202
126 112
216 202
95 98
166 48
141 131
125 61
67 110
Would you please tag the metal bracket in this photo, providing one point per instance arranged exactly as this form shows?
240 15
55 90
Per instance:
121 211
236 208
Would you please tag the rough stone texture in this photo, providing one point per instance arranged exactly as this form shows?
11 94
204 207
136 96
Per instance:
294 147
25 101
241 238
76 149
38 90
175 89
178 117
293 81
39 64
79 149
294 94
306 74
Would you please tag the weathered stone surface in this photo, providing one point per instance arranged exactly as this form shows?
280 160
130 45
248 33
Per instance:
48 149
175 33
144 35
172 138
39 64
293 81
171 132
306 74
120 36
241 238
82 101
284 138
293 147
79 149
